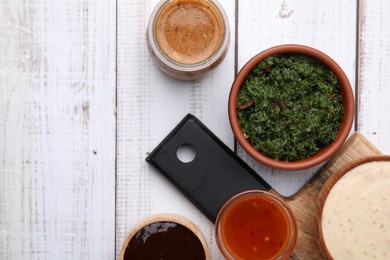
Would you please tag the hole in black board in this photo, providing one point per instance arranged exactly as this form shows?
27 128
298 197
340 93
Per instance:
186 153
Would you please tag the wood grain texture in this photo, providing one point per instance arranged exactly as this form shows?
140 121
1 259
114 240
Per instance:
374 72
329 26
64 191
57 130
304 203
150 104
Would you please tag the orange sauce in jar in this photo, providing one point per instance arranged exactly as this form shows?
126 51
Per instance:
255 227
189 31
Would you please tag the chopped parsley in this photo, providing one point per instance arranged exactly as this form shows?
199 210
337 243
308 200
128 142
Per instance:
289 107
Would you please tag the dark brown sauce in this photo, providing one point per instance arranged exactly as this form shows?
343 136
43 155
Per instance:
164 241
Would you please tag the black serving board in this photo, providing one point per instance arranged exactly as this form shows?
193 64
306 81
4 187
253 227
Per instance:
215 174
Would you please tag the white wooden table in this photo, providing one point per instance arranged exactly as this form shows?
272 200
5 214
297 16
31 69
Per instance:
81 105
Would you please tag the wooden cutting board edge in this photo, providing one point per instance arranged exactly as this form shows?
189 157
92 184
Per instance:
304 203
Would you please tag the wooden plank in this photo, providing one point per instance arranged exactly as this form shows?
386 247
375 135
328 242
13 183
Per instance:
57 131
374 72
329 26
150 104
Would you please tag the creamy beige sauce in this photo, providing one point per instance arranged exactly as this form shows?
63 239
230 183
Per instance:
189 31
356 214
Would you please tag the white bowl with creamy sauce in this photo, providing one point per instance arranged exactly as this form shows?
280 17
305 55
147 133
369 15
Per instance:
353 220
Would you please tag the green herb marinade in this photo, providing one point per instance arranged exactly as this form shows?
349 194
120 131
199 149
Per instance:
289 107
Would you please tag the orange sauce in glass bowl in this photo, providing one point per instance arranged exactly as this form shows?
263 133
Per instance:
189 31
256 225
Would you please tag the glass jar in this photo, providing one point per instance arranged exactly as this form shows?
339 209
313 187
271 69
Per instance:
256 224
188 38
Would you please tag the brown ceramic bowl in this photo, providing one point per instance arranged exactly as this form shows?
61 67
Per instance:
341 223
345 91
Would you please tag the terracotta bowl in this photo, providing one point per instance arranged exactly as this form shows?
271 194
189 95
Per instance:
345 91
174 243
365 192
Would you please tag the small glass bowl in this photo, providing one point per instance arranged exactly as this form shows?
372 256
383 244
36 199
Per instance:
252 228
186 71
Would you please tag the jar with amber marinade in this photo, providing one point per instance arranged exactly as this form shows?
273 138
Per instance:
256 224
188 38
